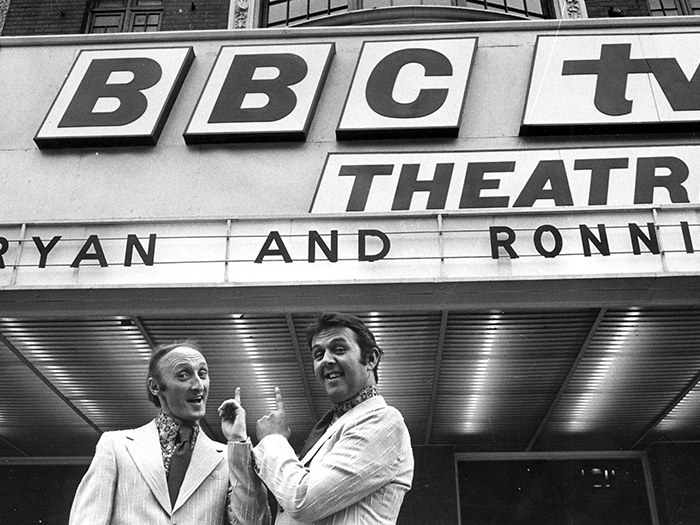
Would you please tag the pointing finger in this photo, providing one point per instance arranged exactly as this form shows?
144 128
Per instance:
278 398
237 396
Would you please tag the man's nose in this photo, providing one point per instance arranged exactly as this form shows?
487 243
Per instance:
328 357
197 384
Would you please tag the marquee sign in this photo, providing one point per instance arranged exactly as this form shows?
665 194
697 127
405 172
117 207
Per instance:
405 88
614 83
116 97
521 179
256 93
356 248
408 89
261 93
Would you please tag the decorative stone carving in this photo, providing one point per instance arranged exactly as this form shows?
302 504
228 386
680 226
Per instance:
240 18
4 6
573 9
570 9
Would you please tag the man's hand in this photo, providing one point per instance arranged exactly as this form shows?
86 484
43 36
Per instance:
275 422
232 416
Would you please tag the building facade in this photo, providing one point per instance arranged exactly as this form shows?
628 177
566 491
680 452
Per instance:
507 193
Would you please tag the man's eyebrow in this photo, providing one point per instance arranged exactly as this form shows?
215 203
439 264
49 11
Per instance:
339 339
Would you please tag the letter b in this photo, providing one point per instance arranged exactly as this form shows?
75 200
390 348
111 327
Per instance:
97 85
241 81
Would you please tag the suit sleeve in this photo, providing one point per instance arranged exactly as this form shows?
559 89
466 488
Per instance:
248 496
94 498
365 457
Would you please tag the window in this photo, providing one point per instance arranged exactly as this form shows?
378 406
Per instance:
530 8
289 12
116 16
674 7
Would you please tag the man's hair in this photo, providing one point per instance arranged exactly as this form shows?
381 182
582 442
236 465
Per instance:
154 364
363 335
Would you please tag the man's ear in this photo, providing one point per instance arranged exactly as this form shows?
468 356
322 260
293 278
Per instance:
153 386
372 358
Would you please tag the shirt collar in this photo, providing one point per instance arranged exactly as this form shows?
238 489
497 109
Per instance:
167 432
363 395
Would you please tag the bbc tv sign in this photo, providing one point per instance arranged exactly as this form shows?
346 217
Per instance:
261 93
614 83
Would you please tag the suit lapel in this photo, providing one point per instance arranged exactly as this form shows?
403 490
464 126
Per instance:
207 454
345 419
143 446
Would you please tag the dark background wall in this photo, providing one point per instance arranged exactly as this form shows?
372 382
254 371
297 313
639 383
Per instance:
675 469
433 498
38 494
43 494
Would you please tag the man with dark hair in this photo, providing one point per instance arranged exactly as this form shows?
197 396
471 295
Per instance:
357 464
169 471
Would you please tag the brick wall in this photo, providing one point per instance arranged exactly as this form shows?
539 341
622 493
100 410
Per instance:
45 17
62 17
599 8
185 15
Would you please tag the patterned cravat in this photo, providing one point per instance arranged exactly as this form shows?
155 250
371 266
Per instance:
180 461
333 415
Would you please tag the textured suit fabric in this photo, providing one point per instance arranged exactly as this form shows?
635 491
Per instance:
356 474
126 484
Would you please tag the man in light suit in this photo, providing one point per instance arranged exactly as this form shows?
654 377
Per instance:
131 479
357 464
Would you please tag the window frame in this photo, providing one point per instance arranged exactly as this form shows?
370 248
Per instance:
682 8
128 13
501 6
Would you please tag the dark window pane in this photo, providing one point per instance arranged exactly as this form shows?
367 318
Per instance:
145 22
297 9
277 14
110 4
534 7
318 6
106 23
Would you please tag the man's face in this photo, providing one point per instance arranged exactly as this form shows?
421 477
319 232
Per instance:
337 367
184 385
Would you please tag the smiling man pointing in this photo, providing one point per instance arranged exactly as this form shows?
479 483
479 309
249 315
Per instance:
357 464
168 471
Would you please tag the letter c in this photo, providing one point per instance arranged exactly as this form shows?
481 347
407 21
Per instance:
382 81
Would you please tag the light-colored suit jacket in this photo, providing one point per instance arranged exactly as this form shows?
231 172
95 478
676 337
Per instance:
126 484
356 474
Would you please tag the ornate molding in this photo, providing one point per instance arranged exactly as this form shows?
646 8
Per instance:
4 6
573 9
240 16
570 9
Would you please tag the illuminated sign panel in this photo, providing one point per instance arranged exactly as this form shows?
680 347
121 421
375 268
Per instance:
614 83
116 97
356 248
261 93
408 89
522 179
